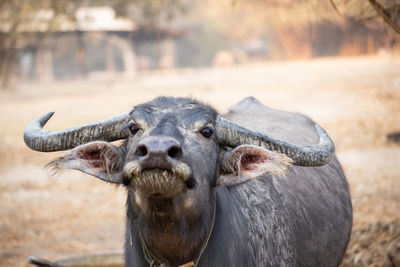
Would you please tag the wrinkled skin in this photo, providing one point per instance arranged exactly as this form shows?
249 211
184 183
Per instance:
268 212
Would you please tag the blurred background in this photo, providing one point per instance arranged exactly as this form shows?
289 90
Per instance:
337 61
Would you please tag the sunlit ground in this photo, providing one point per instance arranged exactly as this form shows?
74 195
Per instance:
357 100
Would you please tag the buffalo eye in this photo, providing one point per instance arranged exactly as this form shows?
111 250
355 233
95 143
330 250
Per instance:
207 132
133 128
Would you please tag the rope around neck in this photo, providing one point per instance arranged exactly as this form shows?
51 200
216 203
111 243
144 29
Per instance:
154 262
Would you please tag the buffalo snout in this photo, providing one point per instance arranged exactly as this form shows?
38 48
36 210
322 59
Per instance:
159 152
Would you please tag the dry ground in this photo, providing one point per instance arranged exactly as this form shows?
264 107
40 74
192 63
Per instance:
356 99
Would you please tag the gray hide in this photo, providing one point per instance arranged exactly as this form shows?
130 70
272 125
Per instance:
303 218
289 127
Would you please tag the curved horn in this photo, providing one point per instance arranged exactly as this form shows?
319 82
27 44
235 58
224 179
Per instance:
232 135
47 141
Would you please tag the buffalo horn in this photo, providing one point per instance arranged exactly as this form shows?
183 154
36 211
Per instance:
47 141
232 135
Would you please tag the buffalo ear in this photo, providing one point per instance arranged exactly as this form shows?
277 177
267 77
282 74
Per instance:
248 162
100 159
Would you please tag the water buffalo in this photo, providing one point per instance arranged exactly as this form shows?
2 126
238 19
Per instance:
252 187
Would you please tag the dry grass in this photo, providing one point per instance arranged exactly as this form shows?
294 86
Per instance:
356 99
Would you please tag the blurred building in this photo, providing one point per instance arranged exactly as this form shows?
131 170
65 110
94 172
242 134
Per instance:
99 45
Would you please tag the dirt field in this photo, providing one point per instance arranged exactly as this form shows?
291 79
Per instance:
356 99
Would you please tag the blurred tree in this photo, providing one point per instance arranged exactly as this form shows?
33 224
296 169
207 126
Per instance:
390 15
361 10
365 11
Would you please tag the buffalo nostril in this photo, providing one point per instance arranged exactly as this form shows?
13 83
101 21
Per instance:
190 183
141 151
174 152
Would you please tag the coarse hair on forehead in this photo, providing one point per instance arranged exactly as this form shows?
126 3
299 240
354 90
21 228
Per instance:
175 104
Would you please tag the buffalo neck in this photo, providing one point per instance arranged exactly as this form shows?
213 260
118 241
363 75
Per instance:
174 235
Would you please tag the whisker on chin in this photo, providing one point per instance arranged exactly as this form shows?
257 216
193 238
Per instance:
180 170
159 181
132 169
